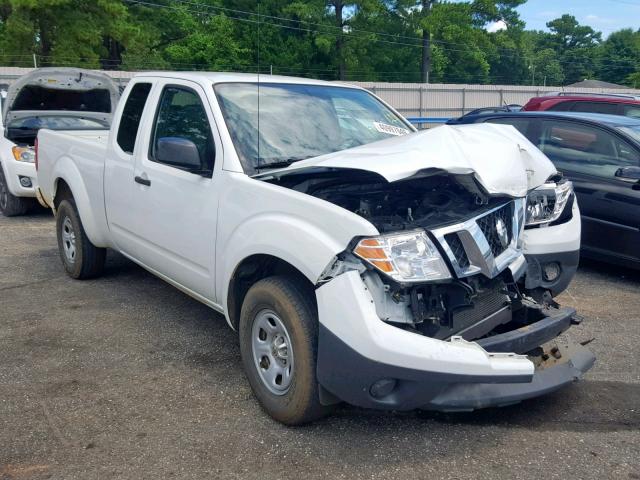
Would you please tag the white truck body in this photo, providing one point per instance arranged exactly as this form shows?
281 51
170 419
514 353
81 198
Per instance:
203 232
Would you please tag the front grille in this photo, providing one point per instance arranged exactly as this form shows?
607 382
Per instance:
489 226
484 244
455 244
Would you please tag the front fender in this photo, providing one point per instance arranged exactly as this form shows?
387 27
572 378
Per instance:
288 237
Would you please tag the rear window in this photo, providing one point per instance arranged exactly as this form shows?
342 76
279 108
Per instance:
35 97
131 115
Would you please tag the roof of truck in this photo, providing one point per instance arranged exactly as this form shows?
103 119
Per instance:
228 77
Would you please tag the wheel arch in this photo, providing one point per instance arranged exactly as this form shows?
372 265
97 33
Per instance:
61 190
252 269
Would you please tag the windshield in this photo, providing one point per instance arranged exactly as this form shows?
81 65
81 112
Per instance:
57 123
289 122
633 132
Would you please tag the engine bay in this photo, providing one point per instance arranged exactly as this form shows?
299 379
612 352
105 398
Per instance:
425 200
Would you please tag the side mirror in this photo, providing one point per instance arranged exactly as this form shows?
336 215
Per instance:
179 152
628 174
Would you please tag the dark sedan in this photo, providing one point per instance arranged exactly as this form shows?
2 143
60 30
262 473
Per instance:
600 154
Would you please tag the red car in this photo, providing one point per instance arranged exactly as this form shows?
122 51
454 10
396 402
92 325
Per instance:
626 105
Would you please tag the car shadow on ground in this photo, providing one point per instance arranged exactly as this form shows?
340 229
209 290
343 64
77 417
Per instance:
608 270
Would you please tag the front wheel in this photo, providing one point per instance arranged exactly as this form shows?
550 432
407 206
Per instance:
10 205
278 344
81 259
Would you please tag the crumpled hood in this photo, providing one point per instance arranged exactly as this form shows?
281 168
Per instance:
501 158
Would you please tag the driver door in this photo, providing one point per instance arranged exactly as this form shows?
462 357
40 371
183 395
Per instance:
176 209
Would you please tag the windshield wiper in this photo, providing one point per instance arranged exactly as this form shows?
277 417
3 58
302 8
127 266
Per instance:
279 163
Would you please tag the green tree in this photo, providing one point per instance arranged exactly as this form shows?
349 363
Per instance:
464 46
61 31
619 56
546 68
182 38
576 46
633 80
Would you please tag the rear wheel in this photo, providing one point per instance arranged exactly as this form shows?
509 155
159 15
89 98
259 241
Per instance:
81 259
10 205
278 344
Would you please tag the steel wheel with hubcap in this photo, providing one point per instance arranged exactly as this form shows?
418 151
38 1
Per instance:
272 352
81 258
68 240
278 329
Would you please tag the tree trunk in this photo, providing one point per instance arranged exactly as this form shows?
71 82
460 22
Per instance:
342 67
114 59
44 29
425 66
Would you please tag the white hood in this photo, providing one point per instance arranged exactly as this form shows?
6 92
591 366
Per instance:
61 78
501 158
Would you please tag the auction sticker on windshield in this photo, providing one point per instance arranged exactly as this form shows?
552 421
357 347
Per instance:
390 129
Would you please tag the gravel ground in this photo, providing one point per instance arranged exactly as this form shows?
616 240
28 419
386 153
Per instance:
126 377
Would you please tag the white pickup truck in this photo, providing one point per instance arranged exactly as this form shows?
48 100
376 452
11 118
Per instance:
359 260
56 98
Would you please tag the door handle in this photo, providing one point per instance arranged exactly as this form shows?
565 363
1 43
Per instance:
142 181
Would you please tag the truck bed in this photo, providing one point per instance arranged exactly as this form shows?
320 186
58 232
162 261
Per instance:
82 152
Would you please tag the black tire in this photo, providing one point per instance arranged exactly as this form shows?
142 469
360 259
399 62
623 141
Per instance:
88 260
10 205
293 304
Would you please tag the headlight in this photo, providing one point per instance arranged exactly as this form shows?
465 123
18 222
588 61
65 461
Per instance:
405 257
546 203
24 154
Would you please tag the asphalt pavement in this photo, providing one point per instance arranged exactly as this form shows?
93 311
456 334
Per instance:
126 377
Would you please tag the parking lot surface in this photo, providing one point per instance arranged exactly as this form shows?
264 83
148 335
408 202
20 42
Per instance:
126 377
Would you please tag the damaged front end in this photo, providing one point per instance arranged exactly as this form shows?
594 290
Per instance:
430 314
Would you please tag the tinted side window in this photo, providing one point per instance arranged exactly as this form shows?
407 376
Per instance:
596 107
131 114
562 107
584 149
521 124
181 114
632 111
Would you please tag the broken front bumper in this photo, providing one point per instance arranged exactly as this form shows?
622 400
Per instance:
367 362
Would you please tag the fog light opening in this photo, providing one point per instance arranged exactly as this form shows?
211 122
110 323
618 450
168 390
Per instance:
551 271
382 388
25 181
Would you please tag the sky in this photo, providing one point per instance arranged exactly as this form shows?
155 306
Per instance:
604 16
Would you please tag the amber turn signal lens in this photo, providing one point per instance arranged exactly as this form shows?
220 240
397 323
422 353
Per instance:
371 250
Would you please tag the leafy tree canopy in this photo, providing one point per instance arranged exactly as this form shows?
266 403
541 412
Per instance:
377 40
